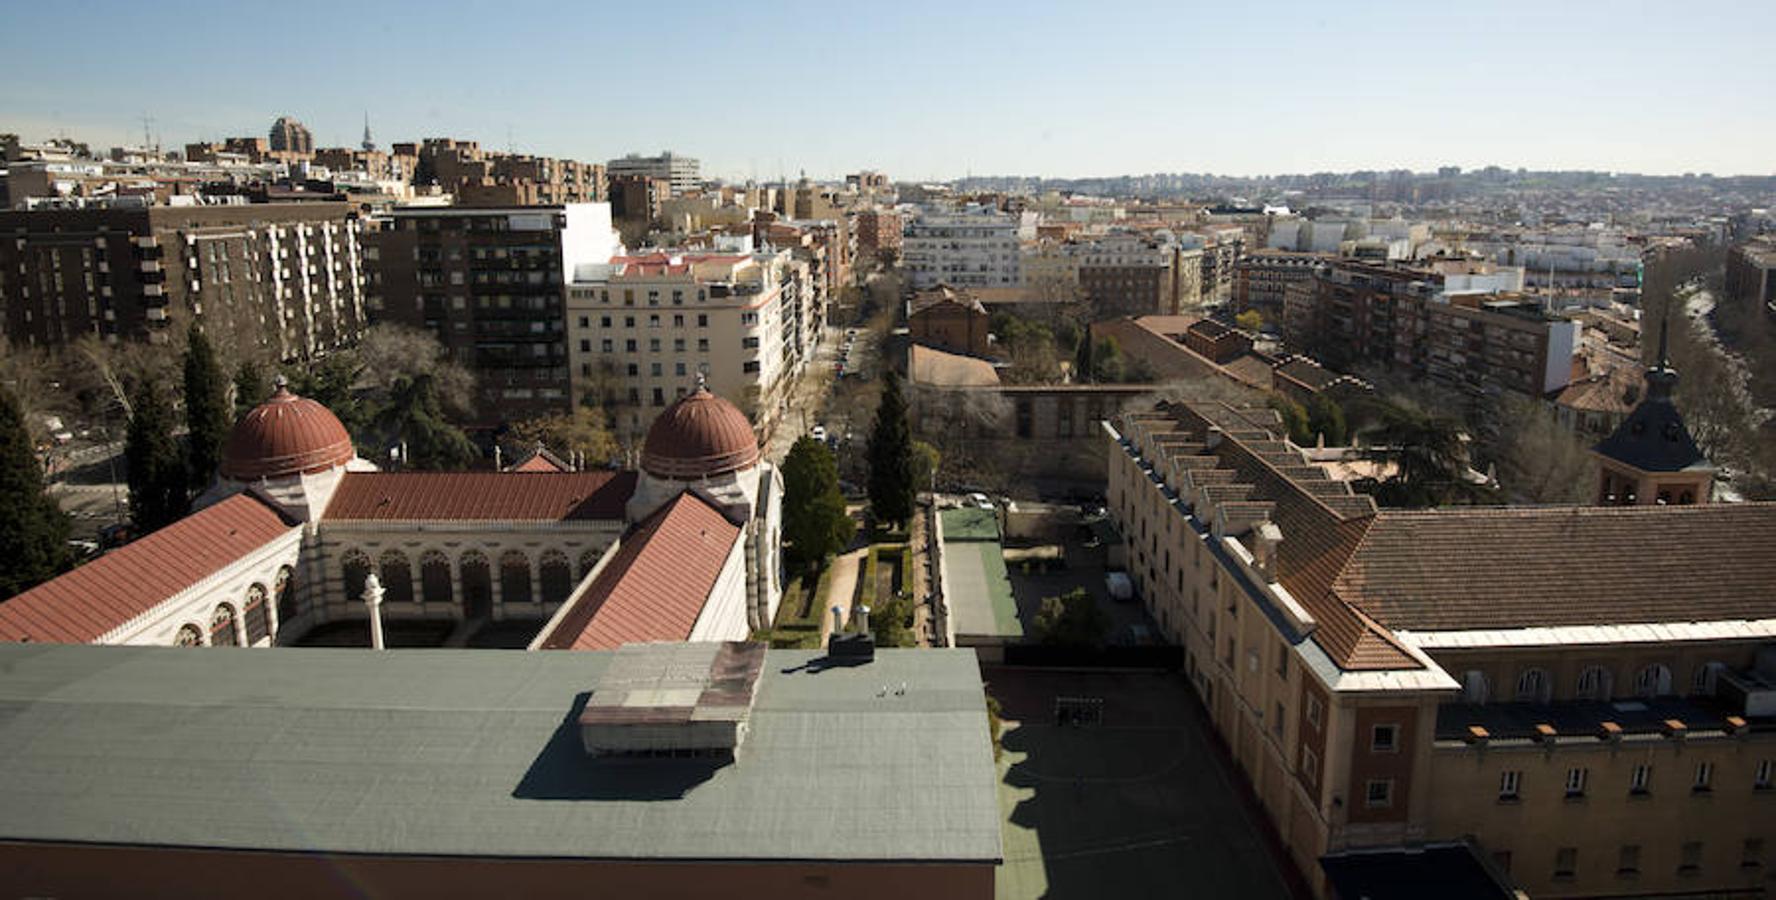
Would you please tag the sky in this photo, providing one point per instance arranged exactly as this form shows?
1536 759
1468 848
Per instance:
929 90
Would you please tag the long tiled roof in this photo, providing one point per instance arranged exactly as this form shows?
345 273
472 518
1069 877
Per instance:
1473 568
87 603
656 584
481 496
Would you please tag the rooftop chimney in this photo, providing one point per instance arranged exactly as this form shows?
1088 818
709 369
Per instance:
1265 538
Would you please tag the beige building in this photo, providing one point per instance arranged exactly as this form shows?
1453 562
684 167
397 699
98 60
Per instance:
643 330
1586 694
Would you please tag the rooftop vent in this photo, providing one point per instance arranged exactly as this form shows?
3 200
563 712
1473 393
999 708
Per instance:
854 648
673 700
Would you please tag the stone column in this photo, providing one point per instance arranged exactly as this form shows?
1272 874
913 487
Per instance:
373 600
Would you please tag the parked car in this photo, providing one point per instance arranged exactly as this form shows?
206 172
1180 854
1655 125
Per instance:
819 433
980 501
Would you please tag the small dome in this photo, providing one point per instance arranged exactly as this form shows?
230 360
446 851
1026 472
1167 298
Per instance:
286 435
699 436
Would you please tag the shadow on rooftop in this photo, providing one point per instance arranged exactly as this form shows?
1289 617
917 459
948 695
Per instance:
563 771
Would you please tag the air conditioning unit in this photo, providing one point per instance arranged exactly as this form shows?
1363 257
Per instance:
1754 692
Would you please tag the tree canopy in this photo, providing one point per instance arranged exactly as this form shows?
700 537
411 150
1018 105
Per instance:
250 388
1072 620
815 525
33 528
583 431
891 488
157 479
207 419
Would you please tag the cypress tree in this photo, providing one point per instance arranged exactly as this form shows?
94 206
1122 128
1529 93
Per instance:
891 457
206 411
156 468
33 528
250 388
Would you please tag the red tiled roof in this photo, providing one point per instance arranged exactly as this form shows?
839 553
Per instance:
481 496
85 604
540 460
1474 568
655 586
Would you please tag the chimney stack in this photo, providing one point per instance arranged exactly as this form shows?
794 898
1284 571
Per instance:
862 619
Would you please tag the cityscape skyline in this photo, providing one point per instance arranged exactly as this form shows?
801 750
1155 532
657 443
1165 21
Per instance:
937 107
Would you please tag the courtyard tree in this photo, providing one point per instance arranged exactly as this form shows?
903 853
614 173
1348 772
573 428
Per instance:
207 418
815 525
890 455
413 419
1071 620
582 431
157 479
1325 418
33 528
250 387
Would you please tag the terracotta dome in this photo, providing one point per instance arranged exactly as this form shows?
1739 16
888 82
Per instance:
699 436
286 435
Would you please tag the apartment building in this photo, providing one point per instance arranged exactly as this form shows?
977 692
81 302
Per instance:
970 247
1588 695
489 283
1261 278
1135 274
1751 273
486 178
681 173
646 330
878 232
282 280
1457 328
1222 248
290 136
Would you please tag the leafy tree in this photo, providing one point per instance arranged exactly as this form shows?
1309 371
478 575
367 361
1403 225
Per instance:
1107 364
1426 450
157 476
890 455
250 388
582 431
1072 619
206 411
1250 320
414 418
925 462
815 525
891 621
1326 417
33 528
1294 419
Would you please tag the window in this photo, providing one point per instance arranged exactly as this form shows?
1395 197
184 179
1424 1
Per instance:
702 320
749 318
629 345
1705 677
1384 738
1628 860
1502 859
1566 862
750 366
1760 777
655 370
1639 778
1704 778
678 345
634 370
1752 855
678 321
585 345
653 345
1593 684
586 321
1690 858
1379 793
628 321
1575 782
1474 686
1652 681
1532 686
1510 780
607 345
703 345
1276 725
654 321
659 397
1313 702
1310 764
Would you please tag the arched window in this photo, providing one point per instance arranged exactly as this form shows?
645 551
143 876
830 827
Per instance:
1705 677
1474 687
1594 684
189 636
396 576
514 577
355 565
1533 686
556 577
588 559
285 591
477 584
222 633
253 614
1653 681
434 577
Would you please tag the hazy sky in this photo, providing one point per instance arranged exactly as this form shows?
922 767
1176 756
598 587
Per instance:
930 90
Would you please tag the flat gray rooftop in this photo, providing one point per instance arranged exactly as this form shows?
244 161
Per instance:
477 753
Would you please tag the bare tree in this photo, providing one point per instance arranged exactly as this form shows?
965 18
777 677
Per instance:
1539 461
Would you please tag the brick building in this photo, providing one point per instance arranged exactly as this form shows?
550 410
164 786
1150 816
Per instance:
489 283
951 320
878 232
280 280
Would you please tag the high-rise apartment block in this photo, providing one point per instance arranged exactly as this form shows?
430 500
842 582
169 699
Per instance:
681 172
290 136
644 330
878 232
1261 279
283 280
484 178
970 247
1132 274
1751 273
488 283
